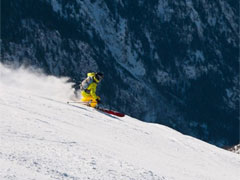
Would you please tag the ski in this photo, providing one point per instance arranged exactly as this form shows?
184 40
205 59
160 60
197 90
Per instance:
115 113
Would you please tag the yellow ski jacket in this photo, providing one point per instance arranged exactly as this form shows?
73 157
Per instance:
91 90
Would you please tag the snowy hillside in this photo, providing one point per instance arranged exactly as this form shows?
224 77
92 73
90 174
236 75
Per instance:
179 60
42 137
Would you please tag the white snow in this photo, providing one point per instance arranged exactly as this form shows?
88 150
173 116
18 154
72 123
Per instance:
57 7
195 17
42 137
164 11
163 77
190 71
199 56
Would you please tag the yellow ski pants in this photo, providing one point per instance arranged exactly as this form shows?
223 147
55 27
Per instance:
88 98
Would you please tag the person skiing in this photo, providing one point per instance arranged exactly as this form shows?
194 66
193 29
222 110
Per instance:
88 88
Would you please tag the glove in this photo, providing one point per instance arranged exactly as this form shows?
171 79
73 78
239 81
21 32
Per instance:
98 101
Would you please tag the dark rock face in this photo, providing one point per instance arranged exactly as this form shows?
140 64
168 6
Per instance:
235 149
169 62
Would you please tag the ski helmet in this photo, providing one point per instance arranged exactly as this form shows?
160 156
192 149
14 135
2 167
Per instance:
99 76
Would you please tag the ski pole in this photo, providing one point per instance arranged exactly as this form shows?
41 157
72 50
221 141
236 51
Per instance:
75 102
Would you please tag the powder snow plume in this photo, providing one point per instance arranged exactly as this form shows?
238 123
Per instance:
36 82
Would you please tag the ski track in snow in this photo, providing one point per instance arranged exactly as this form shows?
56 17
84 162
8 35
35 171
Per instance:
42 137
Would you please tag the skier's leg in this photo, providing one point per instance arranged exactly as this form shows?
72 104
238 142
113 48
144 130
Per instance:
86 97
89 99
93 103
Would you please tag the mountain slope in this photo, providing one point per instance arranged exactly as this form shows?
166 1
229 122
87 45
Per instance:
177 60
42 137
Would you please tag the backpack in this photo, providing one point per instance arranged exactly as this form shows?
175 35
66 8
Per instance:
86 82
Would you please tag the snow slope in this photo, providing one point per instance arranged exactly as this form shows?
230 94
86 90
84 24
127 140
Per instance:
42 137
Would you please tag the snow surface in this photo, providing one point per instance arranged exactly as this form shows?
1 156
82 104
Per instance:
42 137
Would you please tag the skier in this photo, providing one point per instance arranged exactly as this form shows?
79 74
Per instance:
88 89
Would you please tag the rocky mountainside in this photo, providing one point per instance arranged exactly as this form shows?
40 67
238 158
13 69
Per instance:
169 62
235 149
